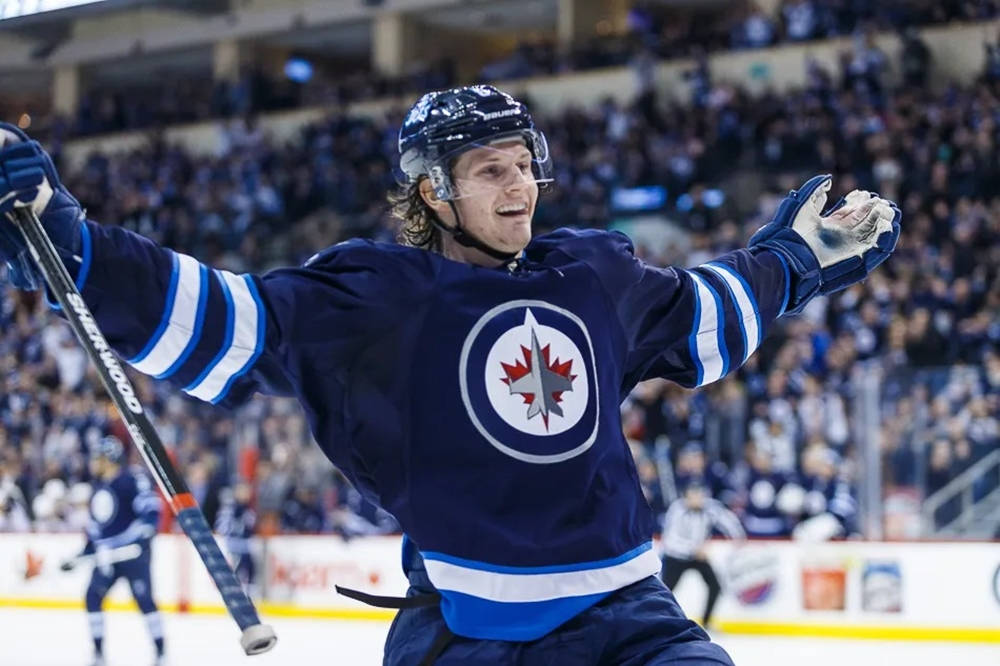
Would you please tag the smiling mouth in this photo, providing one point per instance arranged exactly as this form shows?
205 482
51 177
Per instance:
512 210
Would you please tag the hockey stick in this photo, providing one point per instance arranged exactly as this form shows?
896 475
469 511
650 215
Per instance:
256 637
113 556
35 566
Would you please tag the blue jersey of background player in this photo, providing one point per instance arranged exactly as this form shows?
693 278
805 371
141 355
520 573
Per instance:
236 521
469 381
124 511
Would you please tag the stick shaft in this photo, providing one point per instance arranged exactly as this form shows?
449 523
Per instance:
115 555
140 428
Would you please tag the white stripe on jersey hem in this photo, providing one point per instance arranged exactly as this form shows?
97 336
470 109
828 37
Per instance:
744 304
243 344
174 340
707 337
520 588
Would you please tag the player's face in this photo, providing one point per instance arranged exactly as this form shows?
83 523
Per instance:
496 195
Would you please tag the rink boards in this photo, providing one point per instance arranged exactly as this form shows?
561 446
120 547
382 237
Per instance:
902 591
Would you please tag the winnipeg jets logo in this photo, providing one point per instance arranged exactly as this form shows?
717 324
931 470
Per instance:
529 381
538 380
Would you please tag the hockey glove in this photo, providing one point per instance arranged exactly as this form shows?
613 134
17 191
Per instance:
827 252
28 178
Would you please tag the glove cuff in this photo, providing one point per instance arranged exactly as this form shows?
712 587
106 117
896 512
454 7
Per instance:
804 273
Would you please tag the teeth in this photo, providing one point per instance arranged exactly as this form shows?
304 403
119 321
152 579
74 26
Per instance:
512 208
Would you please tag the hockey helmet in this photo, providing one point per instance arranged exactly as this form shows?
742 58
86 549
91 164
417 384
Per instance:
446 123
110 448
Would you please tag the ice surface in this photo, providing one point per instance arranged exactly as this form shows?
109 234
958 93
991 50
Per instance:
30 637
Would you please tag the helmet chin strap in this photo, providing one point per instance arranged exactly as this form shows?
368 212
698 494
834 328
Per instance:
465 239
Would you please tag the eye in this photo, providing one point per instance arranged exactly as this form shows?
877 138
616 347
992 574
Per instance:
525 167
493 171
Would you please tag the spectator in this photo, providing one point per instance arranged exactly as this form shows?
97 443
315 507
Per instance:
915 59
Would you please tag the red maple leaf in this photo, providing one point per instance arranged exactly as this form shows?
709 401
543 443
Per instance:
519 369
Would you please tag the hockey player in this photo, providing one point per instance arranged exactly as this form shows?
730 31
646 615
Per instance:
688 524
692 466
773 500
829 508
468 380
236 521
124 510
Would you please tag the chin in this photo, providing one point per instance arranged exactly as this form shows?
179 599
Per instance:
520 238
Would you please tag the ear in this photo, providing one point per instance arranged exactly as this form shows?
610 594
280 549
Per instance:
427 191
429 197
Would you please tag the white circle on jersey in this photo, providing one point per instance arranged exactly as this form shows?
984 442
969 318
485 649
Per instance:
536 380
103 506
762 494
528 379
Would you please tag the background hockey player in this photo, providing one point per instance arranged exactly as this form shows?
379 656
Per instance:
124 510
692 466
829 508
236 521
772 500
687 526
468 380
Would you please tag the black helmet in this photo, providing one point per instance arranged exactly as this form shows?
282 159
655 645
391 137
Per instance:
443 124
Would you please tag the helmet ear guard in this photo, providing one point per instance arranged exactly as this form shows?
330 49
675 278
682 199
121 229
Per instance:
440 183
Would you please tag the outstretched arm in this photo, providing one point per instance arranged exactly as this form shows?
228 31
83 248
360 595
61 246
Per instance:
696 325
168 315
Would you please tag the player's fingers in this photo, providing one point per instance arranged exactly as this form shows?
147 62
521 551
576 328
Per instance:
850 213
875 221
818 198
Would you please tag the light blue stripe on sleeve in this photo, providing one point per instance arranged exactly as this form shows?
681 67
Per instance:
720 327
746 306
241 343
199 320
178 329
706 350
259 346
693 338
168 310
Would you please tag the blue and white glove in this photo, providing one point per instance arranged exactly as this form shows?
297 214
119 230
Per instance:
28 178
827 252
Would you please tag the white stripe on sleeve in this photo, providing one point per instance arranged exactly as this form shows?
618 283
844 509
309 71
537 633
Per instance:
745 305
175 338
708 356
241 348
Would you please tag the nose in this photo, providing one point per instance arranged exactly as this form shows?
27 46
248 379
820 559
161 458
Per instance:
517 178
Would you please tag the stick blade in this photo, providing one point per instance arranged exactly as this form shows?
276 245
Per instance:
258 638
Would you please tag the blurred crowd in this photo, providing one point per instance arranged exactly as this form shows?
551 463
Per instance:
653 31
777 441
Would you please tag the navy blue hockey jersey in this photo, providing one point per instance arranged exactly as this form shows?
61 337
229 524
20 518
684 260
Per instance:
763 515
479 406
833 496
123 511
236 521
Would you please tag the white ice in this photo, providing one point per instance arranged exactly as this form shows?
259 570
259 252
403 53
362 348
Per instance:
30 637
